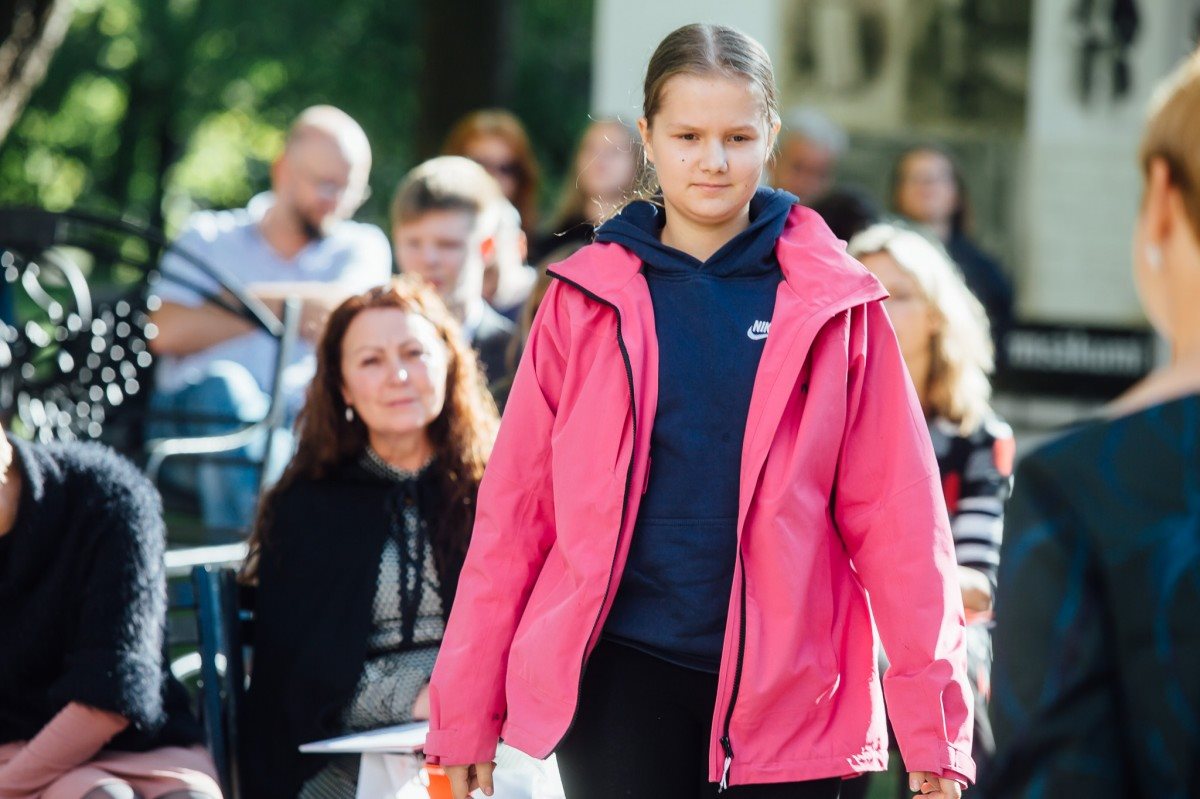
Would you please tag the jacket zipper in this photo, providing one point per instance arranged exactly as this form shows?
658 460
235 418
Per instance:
625 496
727 744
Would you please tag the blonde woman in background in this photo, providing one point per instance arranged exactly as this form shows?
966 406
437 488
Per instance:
944 339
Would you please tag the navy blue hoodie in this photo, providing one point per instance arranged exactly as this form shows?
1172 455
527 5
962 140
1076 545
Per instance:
712 319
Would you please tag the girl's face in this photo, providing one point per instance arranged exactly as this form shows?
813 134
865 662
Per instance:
708 142
606 165
911 314
927 192
394 368
497 156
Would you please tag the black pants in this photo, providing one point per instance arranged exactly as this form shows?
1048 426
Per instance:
643 731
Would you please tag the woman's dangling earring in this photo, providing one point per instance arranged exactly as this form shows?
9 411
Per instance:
1154 257
349 414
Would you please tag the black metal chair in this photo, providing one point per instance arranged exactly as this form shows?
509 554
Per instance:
224 614
82 368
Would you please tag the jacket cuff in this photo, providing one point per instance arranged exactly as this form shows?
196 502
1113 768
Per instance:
943 759
448 747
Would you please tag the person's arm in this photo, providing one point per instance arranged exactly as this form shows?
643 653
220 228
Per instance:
187 329
1057 722
187 323
69 740
514 531
114 657
891 513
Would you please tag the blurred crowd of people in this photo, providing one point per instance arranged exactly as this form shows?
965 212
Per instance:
467 222
409 342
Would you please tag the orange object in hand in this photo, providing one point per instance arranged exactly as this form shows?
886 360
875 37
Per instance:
436 782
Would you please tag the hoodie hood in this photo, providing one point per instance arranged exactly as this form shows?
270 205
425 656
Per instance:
750 253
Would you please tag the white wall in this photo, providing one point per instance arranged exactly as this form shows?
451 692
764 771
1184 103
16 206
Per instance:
627 31
1084 179
1074 197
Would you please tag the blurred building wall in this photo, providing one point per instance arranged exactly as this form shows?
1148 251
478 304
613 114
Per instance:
1051 174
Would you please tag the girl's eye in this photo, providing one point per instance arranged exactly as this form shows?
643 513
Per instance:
740 138
688 136
370 361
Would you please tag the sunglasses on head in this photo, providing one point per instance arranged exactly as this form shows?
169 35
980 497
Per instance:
510 168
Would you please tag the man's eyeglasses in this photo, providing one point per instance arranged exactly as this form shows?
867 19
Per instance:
331 189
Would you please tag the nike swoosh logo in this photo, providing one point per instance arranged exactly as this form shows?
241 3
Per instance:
755 336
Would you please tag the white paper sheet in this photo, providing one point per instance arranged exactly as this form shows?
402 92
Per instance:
401 739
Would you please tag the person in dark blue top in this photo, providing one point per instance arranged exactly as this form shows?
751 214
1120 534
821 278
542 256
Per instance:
1096 681
712 318
928 188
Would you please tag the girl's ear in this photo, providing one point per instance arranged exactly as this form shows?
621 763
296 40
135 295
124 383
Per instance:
644 132
773 134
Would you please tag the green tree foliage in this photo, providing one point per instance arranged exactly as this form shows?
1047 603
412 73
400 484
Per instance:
153 108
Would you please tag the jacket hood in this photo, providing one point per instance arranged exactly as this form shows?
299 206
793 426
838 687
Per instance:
750 253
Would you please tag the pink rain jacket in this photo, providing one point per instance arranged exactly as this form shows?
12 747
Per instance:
839 497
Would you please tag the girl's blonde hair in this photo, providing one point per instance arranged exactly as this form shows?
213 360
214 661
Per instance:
961 349
703 49
1171 133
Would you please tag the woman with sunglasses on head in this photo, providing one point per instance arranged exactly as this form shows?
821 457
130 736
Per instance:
496 140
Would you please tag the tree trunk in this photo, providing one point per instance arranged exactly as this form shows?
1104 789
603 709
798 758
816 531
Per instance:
468 63
30 32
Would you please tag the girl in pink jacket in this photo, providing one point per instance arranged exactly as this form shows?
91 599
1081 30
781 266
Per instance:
711 454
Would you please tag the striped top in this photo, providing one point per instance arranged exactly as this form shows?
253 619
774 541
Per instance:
977 474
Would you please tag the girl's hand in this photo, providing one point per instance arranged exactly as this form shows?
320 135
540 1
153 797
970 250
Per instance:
464 779
976 590
420 708
930 785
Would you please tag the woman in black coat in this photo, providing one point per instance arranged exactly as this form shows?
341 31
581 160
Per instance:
1096 685
357 549
87 704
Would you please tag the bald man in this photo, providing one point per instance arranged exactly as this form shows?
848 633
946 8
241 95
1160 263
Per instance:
295 241
810 146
